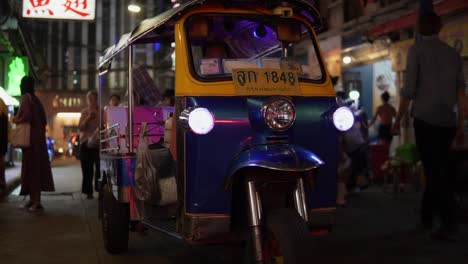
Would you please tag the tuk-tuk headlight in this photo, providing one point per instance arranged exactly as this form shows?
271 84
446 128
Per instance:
279 113
200 120
343 118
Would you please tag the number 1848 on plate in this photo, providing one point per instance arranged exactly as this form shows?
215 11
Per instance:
265 81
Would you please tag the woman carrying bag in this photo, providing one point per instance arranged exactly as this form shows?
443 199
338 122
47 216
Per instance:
36 174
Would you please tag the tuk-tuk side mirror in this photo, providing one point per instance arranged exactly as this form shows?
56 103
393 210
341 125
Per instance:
199 28
289 32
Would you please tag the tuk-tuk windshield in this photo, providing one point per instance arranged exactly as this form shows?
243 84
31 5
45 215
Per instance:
218 44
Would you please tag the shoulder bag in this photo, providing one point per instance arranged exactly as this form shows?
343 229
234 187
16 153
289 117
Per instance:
21 134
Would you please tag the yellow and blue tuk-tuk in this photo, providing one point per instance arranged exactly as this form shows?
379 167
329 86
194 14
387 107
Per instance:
253 147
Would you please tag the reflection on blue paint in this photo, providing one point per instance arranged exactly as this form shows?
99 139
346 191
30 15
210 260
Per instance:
260 31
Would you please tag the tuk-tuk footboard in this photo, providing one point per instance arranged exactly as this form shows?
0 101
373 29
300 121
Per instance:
205 227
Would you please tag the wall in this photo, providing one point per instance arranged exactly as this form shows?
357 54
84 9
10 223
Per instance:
366 77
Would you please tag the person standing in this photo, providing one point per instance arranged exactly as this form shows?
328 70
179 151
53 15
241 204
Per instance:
434 84
3 141
385 113
89 140
36 174
114 100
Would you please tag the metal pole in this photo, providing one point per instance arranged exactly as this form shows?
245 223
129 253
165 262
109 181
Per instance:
101 106
300 200
130 100
254 221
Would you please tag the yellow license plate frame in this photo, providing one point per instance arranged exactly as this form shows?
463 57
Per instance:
266 82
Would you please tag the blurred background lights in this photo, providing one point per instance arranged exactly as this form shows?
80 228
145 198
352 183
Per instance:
346 59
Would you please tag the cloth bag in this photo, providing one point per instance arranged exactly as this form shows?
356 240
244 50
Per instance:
21 135
155 181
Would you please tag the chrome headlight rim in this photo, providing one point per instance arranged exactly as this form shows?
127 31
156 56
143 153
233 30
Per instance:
268 103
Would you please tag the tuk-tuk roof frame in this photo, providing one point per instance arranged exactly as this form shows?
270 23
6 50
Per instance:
150 24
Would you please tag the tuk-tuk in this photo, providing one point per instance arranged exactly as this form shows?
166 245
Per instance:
253 151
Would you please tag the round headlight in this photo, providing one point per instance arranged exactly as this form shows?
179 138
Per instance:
279 113
201 121
343 118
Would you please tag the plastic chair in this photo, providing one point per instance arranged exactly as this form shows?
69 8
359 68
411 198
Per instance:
404 167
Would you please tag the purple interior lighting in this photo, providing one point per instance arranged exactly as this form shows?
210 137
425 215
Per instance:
157 46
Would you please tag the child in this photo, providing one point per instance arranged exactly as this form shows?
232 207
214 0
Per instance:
385 113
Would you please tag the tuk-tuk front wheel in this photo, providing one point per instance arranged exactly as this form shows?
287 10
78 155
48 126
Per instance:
115 223
285 239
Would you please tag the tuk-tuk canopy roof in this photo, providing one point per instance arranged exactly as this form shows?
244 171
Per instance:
140 34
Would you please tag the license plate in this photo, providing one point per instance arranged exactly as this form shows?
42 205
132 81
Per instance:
265 82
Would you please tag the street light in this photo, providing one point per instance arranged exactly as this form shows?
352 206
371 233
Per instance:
134 8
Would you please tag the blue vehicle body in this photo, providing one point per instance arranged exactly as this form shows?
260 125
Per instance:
240 134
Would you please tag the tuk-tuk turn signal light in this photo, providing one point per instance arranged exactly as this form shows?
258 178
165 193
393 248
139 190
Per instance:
343 118
200 120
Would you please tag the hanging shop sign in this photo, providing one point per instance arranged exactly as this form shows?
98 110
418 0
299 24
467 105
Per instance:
398 54
60 9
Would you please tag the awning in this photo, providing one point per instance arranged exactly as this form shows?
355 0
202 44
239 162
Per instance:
8 99
409 20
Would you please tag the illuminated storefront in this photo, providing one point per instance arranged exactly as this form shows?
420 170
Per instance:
63 110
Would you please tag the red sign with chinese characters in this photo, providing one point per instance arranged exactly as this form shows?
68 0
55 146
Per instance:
60 9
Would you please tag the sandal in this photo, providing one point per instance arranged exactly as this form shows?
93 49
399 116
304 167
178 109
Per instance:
26 205
36 207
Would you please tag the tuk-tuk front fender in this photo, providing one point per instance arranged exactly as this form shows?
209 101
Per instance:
281 157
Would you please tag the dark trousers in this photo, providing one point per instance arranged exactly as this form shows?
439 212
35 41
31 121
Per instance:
433 144
359 165
90 167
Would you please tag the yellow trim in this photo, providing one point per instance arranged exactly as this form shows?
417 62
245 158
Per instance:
187 85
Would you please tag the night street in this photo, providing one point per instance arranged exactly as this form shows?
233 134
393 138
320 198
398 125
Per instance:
375 228
234 131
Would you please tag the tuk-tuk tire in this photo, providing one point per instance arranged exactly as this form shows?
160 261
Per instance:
292 234
115 223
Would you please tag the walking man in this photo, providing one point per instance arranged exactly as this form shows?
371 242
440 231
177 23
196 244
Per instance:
434 84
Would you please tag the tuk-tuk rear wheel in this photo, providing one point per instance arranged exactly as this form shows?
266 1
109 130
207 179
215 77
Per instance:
115 223
286 237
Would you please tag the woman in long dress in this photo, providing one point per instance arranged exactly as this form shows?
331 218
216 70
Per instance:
36 174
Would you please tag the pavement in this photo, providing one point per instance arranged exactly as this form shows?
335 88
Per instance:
13 179
13 174
375 227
